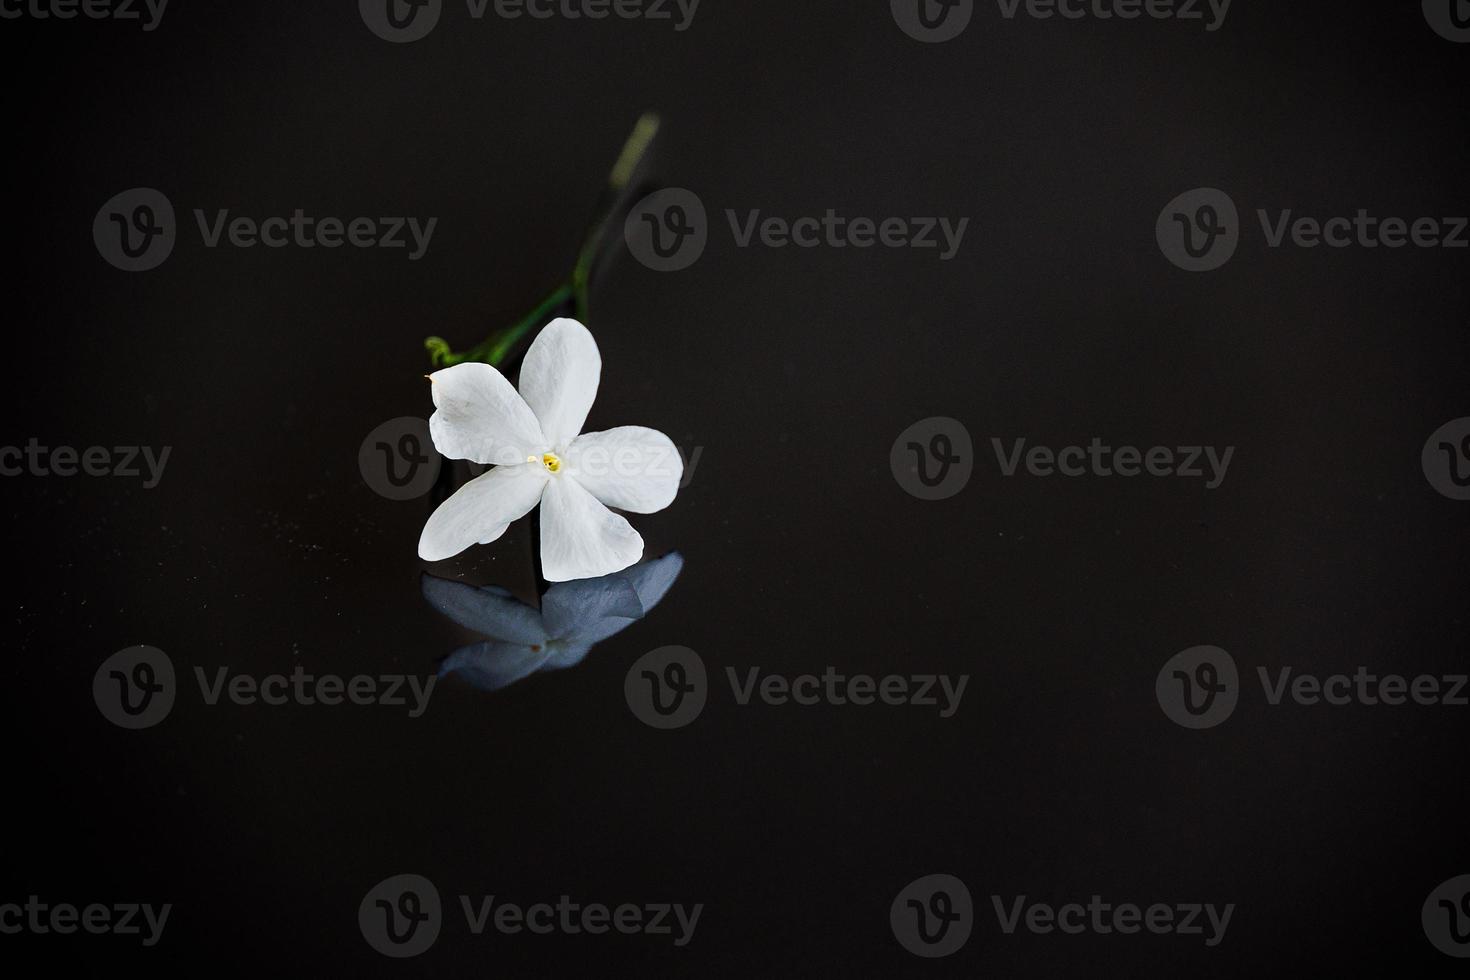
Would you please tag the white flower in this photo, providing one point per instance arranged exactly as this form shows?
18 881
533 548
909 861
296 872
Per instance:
541 457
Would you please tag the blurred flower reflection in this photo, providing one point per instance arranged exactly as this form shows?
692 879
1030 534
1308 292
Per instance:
574 616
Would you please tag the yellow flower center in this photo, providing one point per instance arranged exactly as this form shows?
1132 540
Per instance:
548 460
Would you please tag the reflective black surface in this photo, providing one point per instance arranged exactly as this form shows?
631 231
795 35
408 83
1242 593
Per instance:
791 371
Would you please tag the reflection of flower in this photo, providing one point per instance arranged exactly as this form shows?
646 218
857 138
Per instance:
573 617
534 438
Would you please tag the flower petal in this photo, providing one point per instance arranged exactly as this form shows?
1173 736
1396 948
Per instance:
630 467
490 611
493 666
565 655
480 417
559 379
653 579
590 609
480 507
580 538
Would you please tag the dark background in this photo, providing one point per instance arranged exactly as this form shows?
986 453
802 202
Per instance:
1060 320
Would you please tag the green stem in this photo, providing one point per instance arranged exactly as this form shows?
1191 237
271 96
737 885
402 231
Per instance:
634 149
495 348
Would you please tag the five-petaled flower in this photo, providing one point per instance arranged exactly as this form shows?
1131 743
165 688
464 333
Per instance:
540 456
